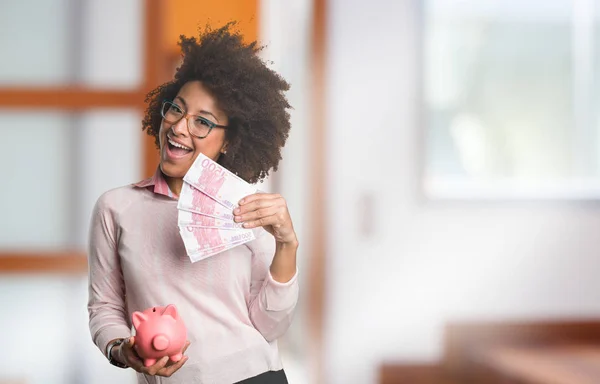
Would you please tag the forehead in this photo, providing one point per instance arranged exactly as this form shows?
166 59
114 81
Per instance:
197 99
196 95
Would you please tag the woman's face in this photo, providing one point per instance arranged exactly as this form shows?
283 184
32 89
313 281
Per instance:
196 100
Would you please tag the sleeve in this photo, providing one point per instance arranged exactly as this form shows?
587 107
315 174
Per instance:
106 288
271 304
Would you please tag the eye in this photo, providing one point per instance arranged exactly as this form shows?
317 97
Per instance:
203 121
175 108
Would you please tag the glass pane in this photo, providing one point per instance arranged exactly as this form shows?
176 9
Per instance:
34 39
112 54
109 148
45 323
61 42
508 96
57 165
35 193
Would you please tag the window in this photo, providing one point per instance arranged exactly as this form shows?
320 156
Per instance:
510 89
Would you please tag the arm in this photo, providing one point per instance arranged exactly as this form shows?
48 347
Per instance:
106 303
272 303
274 287
106 289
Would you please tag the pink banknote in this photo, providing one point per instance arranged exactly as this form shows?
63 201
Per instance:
217 182
186 218
193 200
203 242
206 253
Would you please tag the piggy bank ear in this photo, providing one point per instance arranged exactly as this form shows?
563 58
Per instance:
171 311
138 318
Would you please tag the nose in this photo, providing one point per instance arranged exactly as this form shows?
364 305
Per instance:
180 128
160 342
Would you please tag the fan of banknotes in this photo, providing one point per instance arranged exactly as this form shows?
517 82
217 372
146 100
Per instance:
208 197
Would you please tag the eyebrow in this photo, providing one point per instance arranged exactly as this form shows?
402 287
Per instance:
201 111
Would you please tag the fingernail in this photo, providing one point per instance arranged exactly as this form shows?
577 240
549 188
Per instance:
242 201
245 224
237 218
237 210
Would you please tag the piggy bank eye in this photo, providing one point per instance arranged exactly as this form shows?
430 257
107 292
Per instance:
153 309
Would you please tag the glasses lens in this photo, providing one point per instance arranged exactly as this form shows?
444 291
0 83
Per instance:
199 126
171 112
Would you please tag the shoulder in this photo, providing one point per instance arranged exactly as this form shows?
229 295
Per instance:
118 199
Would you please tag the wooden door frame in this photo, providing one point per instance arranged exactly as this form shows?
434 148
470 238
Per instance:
318 230
77 99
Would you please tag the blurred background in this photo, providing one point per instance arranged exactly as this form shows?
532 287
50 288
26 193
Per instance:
443 174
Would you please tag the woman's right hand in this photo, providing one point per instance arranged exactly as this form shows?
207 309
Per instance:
163 367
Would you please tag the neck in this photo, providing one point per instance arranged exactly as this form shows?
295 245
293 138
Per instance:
174 184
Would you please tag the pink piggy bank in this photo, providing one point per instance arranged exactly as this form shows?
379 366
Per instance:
159 332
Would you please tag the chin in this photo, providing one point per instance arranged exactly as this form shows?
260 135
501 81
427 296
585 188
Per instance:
174 171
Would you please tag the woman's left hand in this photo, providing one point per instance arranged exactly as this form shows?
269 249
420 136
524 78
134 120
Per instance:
269 211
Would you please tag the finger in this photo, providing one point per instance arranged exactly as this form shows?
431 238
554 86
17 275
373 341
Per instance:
257 214
130 342
187 344
254 205
258 195
168 371
129 347
158 366
263 221
137 365
130 356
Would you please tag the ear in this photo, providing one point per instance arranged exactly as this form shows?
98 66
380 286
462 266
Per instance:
224 148
171 310
138 318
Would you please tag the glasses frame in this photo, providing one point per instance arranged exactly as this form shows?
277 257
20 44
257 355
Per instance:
186 115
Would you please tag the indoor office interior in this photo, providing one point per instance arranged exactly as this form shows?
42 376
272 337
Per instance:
442 173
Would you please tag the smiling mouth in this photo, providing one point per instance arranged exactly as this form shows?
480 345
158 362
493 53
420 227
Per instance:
177 149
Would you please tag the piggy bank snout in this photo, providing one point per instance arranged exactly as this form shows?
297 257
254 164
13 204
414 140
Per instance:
160 342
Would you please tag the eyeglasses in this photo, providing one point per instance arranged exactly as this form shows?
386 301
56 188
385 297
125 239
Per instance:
198 126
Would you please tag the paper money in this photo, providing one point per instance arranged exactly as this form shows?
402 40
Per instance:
193 200
204 242
204 254
217 182
187 218
206 202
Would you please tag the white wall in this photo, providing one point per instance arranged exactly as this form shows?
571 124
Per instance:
390 291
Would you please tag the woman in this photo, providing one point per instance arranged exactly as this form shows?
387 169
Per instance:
235 304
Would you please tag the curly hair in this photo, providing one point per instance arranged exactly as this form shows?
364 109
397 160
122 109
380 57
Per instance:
250 94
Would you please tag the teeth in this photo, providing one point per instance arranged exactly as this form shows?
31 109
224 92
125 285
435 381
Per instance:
179 145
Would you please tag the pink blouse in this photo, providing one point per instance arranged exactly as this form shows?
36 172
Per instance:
233 308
